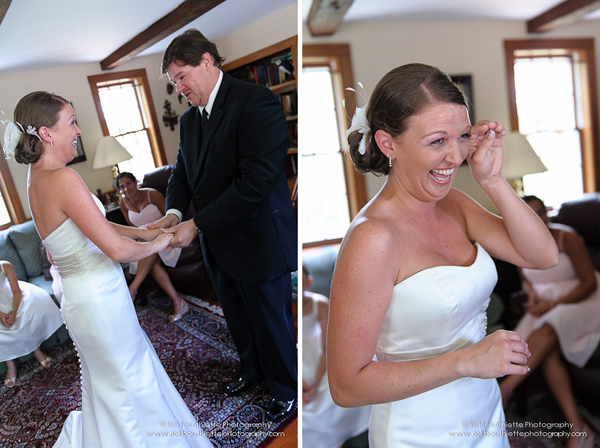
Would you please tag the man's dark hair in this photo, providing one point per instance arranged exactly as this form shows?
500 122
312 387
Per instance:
188 48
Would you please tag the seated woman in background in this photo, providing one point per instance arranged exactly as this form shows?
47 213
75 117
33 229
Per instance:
28 316
142 206
563 316
324 424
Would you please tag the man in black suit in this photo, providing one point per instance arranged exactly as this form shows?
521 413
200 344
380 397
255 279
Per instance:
232 149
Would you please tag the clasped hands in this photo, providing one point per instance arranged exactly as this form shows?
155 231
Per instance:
183 233
8 319
537 306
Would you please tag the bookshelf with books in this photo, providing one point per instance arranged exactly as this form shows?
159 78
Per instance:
275 67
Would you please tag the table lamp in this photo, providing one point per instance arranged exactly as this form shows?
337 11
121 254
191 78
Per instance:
519 159
109 152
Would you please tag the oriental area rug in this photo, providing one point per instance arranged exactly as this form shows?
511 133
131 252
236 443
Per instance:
197 353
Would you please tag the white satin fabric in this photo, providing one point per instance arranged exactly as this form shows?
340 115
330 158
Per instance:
436 311
37 319
128 398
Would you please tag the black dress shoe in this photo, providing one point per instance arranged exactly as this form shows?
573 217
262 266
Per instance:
279 410
238 386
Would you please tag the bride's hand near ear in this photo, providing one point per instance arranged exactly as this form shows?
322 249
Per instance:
485 151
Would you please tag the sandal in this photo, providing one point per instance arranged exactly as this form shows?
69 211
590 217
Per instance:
46 362
183 309
10 382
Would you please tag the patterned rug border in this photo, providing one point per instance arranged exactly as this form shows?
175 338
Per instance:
227 414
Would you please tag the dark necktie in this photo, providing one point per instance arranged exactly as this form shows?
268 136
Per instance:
203 123
204 118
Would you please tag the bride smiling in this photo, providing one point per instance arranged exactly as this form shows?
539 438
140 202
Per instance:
126 393
414 274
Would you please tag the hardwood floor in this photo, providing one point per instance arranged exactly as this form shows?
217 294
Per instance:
290 439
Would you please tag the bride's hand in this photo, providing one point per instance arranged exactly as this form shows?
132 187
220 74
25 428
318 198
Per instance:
150 235
485 151
498 354
162 240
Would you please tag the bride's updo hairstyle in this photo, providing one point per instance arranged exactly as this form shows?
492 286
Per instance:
35 109
403 92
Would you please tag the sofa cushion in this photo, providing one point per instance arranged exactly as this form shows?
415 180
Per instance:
10 254
319 263
27 242
40 281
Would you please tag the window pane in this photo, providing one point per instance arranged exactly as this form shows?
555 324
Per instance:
125 120
321 119
325 213
121 109
138 145
539 110
546 105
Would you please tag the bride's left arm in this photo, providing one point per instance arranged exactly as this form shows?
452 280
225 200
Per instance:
136 233
518 235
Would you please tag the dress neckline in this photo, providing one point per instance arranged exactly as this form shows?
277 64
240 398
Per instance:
480 251
140 212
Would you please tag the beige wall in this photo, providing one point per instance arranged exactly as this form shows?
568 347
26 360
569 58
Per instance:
71 82
460 48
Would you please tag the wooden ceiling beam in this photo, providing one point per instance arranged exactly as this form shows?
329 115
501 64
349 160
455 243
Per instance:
325 16
186 12
4 5
563 14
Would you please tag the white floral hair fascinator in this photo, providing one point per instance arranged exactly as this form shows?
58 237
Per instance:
12 134
359 121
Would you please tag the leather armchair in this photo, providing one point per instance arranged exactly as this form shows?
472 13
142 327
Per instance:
190 275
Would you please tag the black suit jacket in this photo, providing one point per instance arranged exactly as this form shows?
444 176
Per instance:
236 180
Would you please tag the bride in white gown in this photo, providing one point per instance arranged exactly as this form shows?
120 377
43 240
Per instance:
414 273
128 398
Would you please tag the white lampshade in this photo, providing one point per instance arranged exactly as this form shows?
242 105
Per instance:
519 157
109 152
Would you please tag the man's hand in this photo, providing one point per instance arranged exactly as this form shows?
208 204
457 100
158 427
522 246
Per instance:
169 220
183 233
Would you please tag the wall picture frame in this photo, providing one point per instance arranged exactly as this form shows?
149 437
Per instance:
80 157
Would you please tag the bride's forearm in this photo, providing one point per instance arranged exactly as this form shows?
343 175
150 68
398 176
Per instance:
527 231
385 381
133 233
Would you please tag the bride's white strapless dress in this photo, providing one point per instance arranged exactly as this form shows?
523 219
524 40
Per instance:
128 400
438 310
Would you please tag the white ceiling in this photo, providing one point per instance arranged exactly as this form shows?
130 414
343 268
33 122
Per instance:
38 34
443 10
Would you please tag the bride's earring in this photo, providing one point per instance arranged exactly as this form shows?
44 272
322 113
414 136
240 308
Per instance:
390 159
52 146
